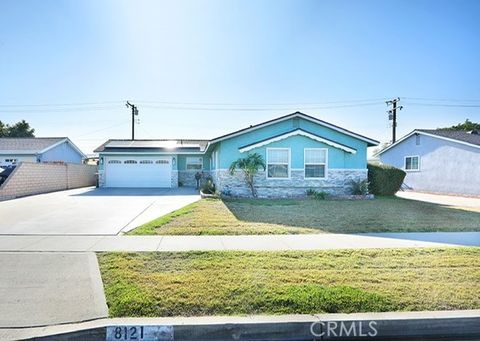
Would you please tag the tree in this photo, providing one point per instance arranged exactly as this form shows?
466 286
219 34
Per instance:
249 166
466 126
19 129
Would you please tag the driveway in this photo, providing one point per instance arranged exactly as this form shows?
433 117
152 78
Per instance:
90 211
467 203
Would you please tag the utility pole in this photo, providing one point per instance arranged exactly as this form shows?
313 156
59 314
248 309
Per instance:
392 116
134 113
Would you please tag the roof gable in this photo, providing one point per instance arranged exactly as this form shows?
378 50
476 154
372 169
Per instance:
460 137
297 132
370 142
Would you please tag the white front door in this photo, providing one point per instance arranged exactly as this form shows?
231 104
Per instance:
137 171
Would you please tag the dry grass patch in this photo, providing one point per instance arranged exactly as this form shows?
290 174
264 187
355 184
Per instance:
219 283
264 216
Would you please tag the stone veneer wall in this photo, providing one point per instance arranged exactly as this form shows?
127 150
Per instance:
336 183
187 178
174 178
30 178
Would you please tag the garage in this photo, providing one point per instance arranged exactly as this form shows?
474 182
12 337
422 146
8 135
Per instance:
135 171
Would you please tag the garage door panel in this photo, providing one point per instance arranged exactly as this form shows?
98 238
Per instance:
138 172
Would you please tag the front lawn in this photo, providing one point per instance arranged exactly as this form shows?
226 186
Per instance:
232 283
264 216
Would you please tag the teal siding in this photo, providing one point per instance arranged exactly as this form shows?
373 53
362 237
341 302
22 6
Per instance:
337 158
182 161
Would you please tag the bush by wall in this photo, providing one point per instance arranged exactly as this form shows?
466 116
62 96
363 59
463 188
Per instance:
384 180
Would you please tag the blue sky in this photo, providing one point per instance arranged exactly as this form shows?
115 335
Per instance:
198 69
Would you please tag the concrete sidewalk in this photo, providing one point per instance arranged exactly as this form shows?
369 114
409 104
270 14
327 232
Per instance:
208 243
38 289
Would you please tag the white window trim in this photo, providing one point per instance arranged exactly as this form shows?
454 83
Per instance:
326 163
405 163
194 157
289 164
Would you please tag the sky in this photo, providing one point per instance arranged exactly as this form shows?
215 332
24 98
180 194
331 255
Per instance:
200 69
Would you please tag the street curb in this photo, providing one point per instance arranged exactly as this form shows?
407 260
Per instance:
464 325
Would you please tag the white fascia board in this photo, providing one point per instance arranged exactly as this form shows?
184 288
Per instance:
52 146
449 139
426 134
68 141
295 133
311 119
84 156
150 153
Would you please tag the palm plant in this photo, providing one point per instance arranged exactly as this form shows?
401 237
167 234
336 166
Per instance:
249 166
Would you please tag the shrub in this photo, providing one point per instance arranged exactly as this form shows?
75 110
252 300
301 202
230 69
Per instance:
317 195
384 180
359 187
208 187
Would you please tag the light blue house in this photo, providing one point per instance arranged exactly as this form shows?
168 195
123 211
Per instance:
438 161
301 152
14 150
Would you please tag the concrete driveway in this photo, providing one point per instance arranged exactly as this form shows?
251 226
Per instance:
90 211
466 203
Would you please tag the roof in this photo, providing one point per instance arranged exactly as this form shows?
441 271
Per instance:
190 145
163 145
463 137
371 142
28 145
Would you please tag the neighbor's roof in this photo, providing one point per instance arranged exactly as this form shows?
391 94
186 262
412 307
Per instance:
28 145
463 137
164 145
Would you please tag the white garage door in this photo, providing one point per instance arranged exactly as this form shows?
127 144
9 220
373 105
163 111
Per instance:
138 172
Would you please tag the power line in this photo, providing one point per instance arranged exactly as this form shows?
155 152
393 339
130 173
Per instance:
60 104
441 99
261 109
49 110
102 129
264 104
445 105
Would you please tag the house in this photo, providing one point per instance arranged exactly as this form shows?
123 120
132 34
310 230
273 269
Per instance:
38 149
438 161
301 152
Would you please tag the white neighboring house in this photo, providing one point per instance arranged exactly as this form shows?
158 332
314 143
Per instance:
438 161
39 149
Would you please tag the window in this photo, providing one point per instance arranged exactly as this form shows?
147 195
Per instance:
412 163
162 162
278 163
315 163
114 161
145 162
12 161
130 162
194 163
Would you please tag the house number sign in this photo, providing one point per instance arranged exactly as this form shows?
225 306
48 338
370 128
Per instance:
139 333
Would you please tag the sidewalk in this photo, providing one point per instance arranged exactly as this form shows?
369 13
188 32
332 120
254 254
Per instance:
209 243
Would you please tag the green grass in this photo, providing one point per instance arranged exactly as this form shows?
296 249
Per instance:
237 283
263 216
